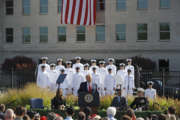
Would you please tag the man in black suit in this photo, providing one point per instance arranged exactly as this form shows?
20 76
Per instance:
119 101
91 88
88 86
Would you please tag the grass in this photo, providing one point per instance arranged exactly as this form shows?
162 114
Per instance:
15 97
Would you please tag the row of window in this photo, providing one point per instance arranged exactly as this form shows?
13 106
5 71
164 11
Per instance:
120 5
142 33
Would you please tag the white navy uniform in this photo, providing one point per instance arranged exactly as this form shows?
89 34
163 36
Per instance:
68 81
109 84
103 72
150 93
60 67
113 67
47 67
53 76
131 67
43 80
129 85
76 81
120 76
80 65
96 79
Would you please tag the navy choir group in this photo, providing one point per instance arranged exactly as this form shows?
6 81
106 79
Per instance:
107 78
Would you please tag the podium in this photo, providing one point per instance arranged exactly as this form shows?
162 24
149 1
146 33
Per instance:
88 99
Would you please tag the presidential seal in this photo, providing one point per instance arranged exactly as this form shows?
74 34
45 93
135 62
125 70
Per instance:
88 98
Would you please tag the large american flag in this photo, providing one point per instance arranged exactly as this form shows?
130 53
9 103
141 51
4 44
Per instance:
78 12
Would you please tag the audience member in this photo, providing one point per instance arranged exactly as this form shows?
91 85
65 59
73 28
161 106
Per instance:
20 112
2 110
126 117
9 115
26 117
111 112
81 116
69 113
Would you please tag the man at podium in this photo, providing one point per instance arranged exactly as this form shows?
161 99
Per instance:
88 94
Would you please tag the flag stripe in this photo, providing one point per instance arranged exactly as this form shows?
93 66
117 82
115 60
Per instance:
78 12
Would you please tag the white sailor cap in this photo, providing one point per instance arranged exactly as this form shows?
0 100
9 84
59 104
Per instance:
128 60
111 59
109 68
52 65
94 67
102 62
43 66
44 58
150 82
68 62
59 59
121 64
78 58
93 61
86 65
77 67
140 90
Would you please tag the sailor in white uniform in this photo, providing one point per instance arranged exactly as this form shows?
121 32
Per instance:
150 93
43 80
69 71
76 80
103 72
44 63
60 64
130 66
93 64
53 76
109 83
78 64
120 76
129 85
86 70
111 65
96 78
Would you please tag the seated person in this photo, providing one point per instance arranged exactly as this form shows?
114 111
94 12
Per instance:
58 102
119 101
140 102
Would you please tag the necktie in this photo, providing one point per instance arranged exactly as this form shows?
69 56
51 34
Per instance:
90 89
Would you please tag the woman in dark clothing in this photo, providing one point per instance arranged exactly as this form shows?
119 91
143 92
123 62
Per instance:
58 102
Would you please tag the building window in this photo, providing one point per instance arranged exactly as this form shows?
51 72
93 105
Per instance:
120 5
100 5
100 33
142 31
81 33
26 35
142 4
120 32
9 35
164 31
165 3
26 7
43 6
59 6
9 7
43 34
61 34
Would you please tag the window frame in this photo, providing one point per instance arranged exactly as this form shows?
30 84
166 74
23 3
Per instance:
12 7
138 8
164 7
59 7
23 8
8 35
61 34
164 31
101 32
100 4
120 32
120 9
79 33
142 31
44 34
44 6
24 35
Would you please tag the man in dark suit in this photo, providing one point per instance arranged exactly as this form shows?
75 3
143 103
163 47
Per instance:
119 101
91 88
88 86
